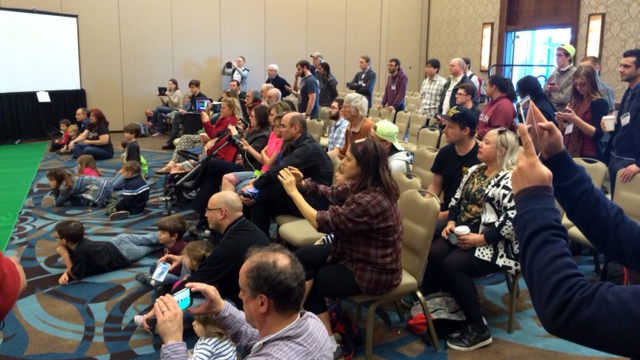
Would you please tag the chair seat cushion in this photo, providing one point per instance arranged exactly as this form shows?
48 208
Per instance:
299 233
408 284
286 218
576 235
566 222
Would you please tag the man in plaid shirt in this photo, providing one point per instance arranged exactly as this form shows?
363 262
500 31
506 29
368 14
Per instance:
337 131
271 326
431 90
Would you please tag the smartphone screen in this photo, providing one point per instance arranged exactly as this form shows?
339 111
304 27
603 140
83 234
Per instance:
161 271
201 105
522 107
183 297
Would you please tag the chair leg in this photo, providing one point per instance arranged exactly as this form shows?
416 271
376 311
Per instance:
514 291
427 315
368 353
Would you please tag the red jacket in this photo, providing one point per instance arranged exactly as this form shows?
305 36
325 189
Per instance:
497 113
220 131
64 140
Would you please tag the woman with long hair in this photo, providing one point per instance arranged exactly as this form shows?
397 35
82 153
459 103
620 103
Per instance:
485 205
95 140
327 85
210 178
172 100
530 86
364 256
499 111
580 121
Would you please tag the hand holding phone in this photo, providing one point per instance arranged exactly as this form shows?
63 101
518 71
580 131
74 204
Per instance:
162 269
183 298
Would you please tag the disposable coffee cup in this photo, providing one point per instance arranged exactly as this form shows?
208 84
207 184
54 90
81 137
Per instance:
461 230
609 122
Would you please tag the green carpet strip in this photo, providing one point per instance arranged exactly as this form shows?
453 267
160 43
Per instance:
19 165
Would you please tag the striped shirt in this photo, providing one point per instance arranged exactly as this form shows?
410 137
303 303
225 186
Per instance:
430 94
214 349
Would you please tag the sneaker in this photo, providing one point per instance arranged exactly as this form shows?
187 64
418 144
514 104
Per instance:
169 147
469 339
338 354
144 279
156 134
119 215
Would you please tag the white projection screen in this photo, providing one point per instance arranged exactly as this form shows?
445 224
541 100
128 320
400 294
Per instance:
39 51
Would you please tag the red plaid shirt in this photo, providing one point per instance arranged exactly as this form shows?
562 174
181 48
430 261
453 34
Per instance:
367 231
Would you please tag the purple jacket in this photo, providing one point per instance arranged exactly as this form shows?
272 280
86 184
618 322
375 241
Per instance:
395 90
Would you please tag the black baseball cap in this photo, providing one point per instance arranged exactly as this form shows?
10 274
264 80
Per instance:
462 116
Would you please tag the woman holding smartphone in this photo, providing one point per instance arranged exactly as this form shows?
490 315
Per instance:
579 121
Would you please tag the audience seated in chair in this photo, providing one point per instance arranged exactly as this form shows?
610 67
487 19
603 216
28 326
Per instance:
366 227
354 111
194 88
171 101
386 133
337 130
484 204
303 153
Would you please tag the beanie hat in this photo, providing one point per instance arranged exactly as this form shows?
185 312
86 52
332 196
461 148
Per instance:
10 289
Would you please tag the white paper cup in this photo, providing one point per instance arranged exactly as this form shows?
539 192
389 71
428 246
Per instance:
461 230
609 122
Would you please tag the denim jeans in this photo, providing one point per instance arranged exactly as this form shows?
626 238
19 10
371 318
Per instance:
134 247
118 182
97 152
157 119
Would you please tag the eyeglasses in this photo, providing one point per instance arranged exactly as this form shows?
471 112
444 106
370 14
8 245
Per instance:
209 209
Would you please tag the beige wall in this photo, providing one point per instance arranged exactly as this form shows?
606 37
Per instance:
129 47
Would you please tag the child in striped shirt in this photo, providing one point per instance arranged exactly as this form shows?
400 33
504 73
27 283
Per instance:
214 341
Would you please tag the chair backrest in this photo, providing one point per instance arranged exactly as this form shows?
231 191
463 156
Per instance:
402 121
315 128
596 170
387 114
374 112
414 128
404 183
375 119
335 161
627 196
418 119
324 113
423 159
419 216
428 137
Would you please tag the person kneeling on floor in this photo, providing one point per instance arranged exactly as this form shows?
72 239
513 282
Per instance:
134 196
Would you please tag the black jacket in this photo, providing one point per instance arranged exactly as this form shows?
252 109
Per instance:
366 88
306 155
134 196
279 83
257 140
452 99
221 268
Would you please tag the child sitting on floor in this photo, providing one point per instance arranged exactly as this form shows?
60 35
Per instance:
131 152
64 129
87 166
170 231
194 255
135 195
73 134
83 257
79 190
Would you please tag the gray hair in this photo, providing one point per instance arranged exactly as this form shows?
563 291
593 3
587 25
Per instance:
274 66
461 64
357 102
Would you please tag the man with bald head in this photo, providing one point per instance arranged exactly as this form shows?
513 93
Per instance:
273 96
236 236
264 89
457 68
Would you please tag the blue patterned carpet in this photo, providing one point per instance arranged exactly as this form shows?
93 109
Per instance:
93 318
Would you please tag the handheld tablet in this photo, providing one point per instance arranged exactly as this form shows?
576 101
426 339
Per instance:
162 90
201 104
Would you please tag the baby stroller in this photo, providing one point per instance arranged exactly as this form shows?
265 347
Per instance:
174 191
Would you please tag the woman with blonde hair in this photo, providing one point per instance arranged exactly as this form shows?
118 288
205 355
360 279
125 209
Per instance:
579 122
479 238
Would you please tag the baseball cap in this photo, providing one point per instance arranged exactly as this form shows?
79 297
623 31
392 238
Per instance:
388 131
568 48
317 55
461 116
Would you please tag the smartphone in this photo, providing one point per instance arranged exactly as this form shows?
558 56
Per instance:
453 239
161 271
522 107
183 298
202 104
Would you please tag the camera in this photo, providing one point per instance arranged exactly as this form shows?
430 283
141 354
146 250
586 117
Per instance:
228 65
236 140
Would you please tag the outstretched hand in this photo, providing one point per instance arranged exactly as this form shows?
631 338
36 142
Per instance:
213 303
529 171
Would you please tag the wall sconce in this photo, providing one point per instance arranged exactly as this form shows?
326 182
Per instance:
595 34
487 41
